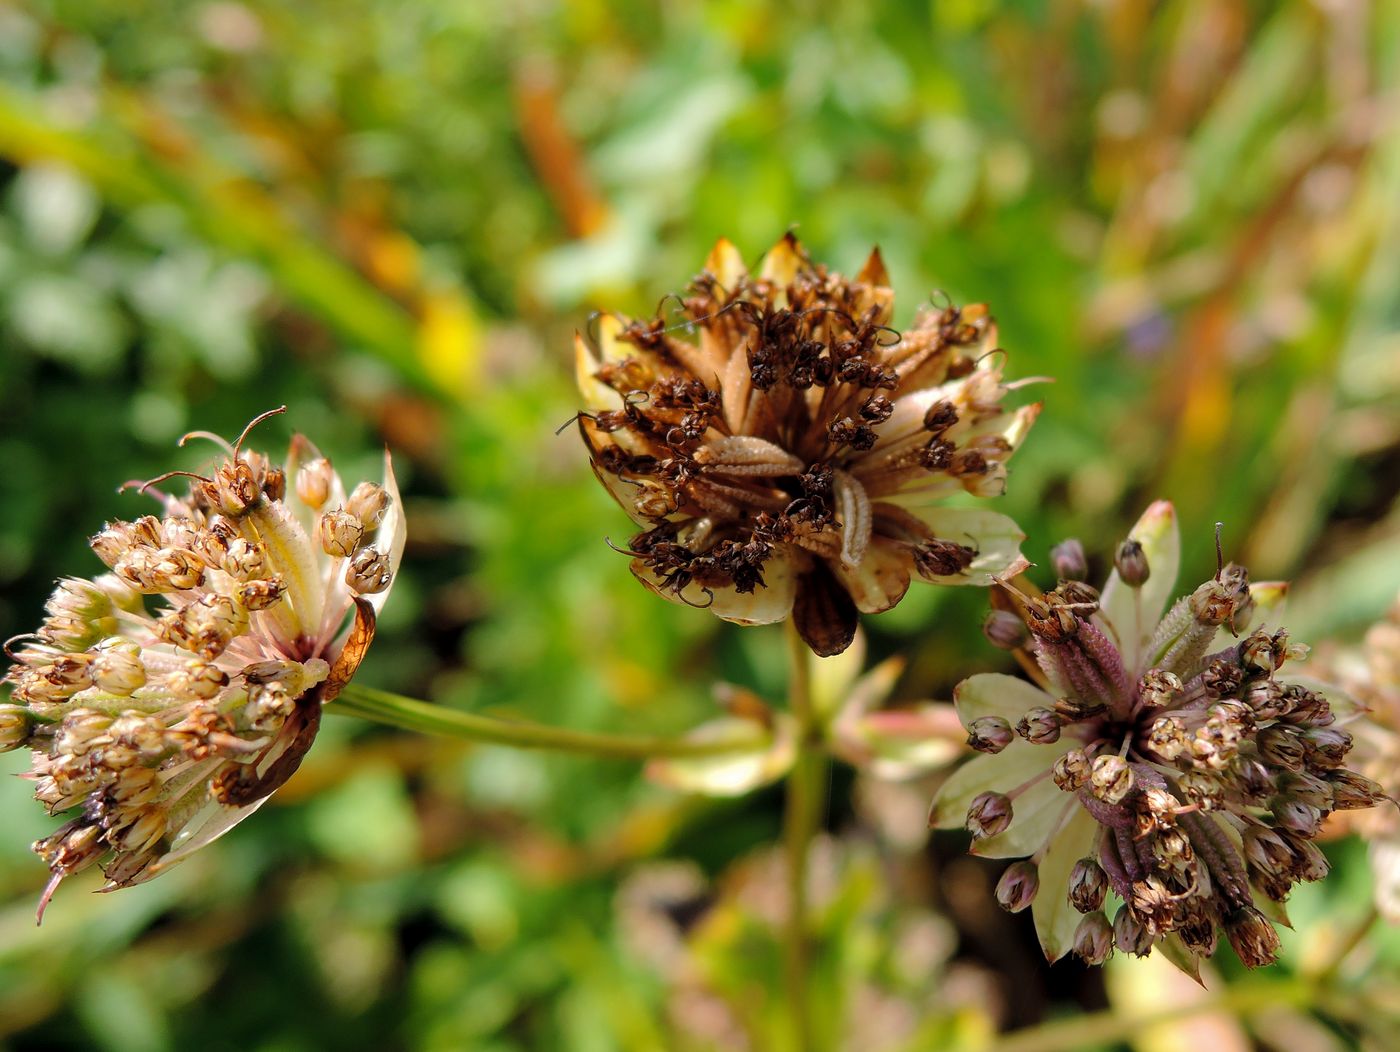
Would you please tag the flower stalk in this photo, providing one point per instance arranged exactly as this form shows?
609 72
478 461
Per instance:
395 710
806 793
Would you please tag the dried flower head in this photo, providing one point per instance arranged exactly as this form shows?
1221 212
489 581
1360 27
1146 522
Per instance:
1165 760
165 700
1371 673
784 449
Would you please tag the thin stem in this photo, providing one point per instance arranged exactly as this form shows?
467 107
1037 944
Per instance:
805 801
410 714
1104 1028
1349 940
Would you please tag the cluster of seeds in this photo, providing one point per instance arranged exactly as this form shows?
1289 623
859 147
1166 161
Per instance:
776 437
167 697
1193 773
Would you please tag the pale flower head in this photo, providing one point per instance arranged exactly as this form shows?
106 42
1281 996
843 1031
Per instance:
1164 775
165 700
1371 673
786 452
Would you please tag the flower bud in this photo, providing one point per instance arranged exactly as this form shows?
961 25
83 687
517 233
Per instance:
340 533
314 483
1110 778
14 727
1167 737
1280 746
1088 884
368 502
1203 789
1017 887
1071 771
1326 746
1159 689
118 670
368 572
1005 630
1296 816
1039 726
259 595
1131 563
1262 653
1069 561
1093 939
989 734
1351 790
1253 937
989 814
1129 935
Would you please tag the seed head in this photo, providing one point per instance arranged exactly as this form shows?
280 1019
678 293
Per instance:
782 448
181 689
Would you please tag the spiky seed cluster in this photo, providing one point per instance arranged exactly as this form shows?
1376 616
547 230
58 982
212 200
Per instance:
783 448
166 699
1168 762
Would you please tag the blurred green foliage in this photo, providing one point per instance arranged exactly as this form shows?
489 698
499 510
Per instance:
392 217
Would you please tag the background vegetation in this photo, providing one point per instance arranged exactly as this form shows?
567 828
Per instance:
392 217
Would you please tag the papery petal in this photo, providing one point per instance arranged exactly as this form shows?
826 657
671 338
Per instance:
1056 919
1036 814
392 535
597 396
1001 772
783 262
1131 614
770 602
726 264
879 581
996 539
902 743
758 758
996 694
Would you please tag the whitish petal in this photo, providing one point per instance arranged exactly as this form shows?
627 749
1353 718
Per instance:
291 554
1131 614
996 539
597 396
392 534
996 694
879 581
1001 772
902 743
1035 816
758 759
211 822
1055 918
764 605
783 262
726 264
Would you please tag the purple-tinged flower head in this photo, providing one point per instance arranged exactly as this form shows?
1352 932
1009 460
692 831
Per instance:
785 451
1167 772
164 701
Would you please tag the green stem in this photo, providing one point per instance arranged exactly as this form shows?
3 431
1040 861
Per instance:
410 714
1104 1028
1349 941
805 801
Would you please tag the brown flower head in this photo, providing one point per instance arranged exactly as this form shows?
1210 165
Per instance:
786 451
166 700
1166 761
